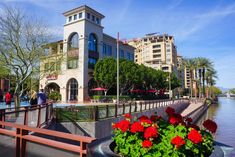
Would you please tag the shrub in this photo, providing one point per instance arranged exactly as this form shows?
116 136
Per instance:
111 97
54 96
157 137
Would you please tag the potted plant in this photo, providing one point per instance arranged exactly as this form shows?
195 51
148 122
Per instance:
155 137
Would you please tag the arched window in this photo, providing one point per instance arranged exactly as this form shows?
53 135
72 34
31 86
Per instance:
72 89
73 41
92 43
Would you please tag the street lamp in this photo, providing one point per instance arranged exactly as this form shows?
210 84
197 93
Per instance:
170 91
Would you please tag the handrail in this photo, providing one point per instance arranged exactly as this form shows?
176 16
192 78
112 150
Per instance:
27 109
99 112
25 133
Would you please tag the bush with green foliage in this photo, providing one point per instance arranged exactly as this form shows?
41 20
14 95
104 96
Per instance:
156 137
111 97
54 96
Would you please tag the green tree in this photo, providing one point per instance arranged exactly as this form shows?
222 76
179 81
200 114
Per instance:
105 73
232 91
190 64
21 41
203 64
211 75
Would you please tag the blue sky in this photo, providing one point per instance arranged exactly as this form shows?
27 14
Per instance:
201 27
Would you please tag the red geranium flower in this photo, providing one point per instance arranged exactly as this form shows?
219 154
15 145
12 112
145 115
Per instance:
150 132
137 127
195 136
146 144
178 141
143 117
154 118
175 119
194 126
189 120
146 121
128 116
170 110
210 125
122 125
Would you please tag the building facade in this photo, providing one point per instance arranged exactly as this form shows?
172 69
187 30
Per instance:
68 67
156 51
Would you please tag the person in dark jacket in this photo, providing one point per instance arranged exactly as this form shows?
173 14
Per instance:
42 98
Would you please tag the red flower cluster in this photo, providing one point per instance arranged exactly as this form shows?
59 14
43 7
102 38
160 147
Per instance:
154 118
128 116
122 125
146 121
143 117
170 110
147 143
178 141
175 119
195 136
189 120
150 132
137 127
210 125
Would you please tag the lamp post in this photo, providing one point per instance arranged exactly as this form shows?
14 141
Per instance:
170 91
118 68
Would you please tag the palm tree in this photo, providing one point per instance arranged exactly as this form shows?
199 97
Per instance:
203 64
211 75
190 64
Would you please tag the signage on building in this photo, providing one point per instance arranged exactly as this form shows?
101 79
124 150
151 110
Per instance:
51 77
73 53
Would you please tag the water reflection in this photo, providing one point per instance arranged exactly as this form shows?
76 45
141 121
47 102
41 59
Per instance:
223 114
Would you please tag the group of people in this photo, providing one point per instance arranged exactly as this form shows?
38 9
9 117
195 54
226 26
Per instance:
35 98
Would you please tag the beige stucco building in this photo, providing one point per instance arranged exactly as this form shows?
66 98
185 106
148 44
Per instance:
69 65
156 51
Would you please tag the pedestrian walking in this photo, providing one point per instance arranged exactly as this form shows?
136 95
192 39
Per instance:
33 99
8 98
42 98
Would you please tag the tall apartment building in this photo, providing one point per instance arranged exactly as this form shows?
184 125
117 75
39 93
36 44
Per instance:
68 67
156 51
181 70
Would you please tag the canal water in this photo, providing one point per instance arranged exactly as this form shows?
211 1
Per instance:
223 114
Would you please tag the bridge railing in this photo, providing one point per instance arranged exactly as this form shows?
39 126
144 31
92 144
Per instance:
99 112
35 116
24 134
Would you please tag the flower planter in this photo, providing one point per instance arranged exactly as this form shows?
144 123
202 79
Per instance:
104 148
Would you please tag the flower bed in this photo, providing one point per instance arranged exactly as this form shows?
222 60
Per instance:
154 136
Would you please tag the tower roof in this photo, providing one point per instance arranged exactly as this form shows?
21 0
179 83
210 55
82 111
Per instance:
81 8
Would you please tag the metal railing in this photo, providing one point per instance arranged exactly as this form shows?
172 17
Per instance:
99 112
24 134
35 116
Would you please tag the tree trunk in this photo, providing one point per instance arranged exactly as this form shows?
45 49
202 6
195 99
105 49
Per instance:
200 83
203 82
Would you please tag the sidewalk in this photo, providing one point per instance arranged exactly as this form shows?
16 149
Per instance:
192 107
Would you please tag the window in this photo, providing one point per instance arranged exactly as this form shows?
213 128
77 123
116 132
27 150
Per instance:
93 18
132 57
73 41
97 20
168 50
72 63
75 17
128 56
92 43
156 56
80 15
72 89
88 15
70 18
156 46
91 63
109 50
104 49
122 54
155 51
